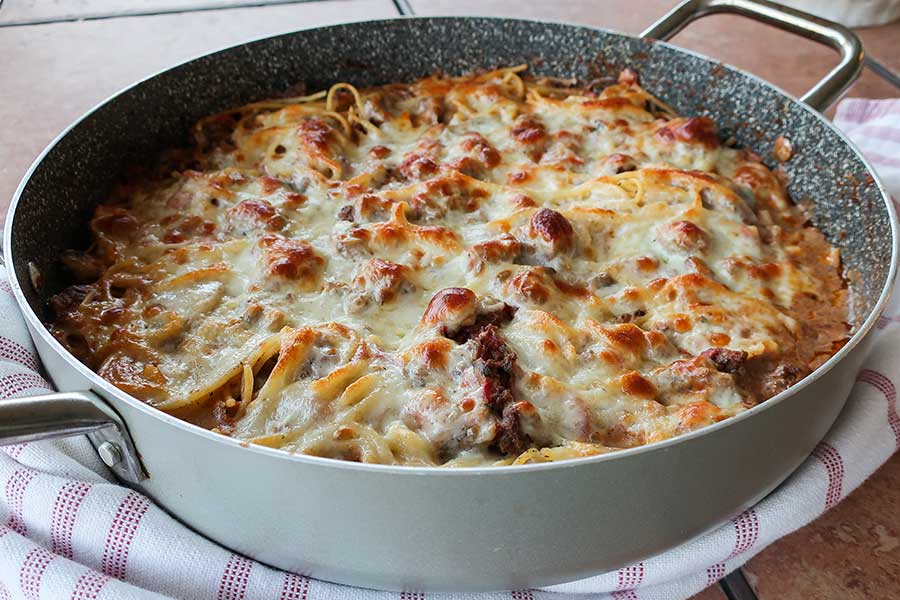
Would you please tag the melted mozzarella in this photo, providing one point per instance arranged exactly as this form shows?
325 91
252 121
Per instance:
456 271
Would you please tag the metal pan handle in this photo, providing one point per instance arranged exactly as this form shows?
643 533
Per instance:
842 39
65 414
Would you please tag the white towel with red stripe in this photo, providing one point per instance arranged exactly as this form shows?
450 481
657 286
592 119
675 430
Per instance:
67 530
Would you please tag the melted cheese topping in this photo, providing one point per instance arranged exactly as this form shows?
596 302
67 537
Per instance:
455 271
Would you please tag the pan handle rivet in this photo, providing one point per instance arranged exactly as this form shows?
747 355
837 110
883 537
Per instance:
110 454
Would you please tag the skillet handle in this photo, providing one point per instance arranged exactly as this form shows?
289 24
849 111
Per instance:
65 414
842 39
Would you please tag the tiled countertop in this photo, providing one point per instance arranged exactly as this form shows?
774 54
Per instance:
56 67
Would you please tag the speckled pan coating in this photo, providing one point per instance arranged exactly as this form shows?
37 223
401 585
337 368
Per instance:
76 173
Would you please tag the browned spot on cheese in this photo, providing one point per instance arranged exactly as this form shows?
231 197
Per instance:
528 130
379 151
610 357
553 228
647 263
435 353
518 177
476 142
654 285
256 210
627 336
571 289
317 134
386 278
522 201
620 163
719 339
530 285
682 323
699 130
634 384
269 184
289 258
448 301
765 272
502 249
687 236
697 413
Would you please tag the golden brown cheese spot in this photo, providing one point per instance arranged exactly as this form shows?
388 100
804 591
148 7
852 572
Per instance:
502 249
441 196
317 135
617 163
765 271
522 201
571 289
692 130
681 323
384 280
416 166
699 413
189 227
554 229
530 286
379 151
290 259
255 212
528 130
435 353
269 184
647 263
634 384
450 306
685 235
397 233
719 339
194 274
368 208
421 162
626 336
486 154
518 177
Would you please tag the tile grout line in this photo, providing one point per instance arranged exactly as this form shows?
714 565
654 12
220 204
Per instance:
736 587
152 13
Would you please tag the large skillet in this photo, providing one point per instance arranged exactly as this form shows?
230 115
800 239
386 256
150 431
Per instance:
427 528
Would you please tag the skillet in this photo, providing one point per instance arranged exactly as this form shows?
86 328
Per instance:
474 528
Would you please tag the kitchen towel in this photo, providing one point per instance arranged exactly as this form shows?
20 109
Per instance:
67 530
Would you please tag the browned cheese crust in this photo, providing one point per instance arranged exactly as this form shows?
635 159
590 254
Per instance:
488 269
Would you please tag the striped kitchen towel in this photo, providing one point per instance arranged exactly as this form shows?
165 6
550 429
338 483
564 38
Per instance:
67 530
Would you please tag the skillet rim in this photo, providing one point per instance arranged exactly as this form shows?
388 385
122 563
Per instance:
37 326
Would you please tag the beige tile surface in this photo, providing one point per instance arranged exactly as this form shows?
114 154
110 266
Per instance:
53 73
851 553
13 12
